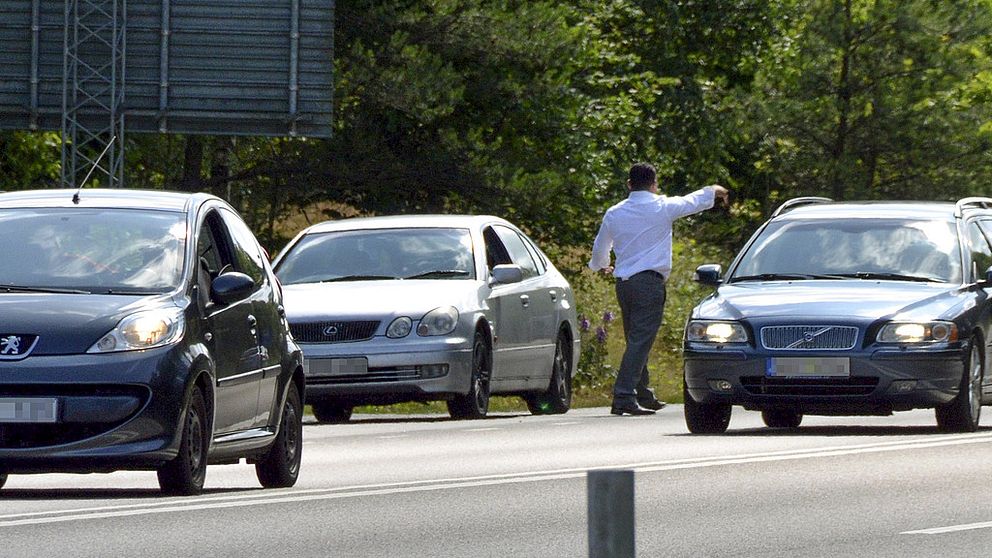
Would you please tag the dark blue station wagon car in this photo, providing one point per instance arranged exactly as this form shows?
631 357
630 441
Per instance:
142 330
847 309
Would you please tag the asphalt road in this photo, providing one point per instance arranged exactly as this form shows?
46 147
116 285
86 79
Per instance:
515 485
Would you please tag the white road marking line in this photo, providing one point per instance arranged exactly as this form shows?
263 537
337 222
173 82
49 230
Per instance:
290 496
951 529
393 437
566 423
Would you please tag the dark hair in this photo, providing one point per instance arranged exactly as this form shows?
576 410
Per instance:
642 176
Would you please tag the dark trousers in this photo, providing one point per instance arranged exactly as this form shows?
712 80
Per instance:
642 303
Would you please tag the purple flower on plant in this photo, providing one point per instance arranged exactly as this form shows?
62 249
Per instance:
584 323
608 316
601 334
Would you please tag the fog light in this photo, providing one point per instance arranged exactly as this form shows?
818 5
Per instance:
433 370
721 385
903 386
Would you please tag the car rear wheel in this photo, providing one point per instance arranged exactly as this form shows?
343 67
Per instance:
708 418
475 404
281 466
185 474
558 398
329 412
963 412
781 418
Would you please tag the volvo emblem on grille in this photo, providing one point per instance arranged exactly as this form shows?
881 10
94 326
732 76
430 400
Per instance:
331 331
14 346
808 337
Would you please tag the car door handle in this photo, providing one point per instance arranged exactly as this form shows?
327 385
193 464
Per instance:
554 296
252 324
525 300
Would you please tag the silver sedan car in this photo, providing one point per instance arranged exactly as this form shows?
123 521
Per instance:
428 307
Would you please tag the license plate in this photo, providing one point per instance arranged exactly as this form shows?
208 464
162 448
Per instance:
809 367
28 409
317 367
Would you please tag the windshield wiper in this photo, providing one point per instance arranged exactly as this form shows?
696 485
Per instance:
439 273
780 277
135 292
892 276
24 289
359 278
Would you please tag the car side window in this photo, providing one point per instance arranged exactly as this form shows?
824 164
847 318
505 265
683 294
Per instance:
247 253
542 265
981 253
517 250
496 253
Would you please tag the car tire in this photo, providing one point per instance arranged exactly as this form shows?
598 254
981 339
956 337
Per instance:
3 480
781 418
558 397
329 412
185 474
964 411
475 404
281 465
705 418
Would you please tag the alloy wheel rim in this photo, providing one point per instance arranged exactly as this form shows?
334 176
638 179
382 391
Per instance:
975 384
561 375
481 379
195 443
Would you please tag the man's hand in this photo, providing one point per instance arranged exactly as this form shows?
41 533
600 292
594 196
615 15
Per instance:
607 271
722 195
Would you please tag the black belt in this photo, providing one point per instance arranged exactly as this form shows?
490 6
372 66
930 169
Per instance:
648 271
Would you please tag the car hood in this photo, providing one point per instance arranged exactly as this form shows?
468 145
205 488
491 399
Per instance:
853 299
359 299
65 323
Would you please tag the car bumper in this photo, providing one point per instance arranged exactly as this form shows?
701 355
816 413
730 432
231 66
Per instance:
880 382
435 369
118 411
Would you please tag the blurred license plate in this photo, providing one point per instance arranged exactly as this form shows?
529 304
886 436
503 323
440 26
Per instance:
28 409
336 366
812 367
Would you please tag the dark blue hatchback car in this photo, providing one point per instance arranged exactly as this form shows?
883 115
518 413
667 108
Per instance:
142 330
847 309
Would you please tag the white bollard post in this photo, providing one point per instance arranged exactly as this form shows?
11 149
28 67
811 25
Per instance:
611 513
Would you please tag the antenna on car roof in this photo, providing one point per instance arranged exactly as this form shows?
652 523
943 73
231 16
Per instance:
75 197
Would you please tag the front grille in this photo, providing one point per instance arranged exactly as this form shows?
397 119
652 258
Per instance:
763 385
809 337
334 331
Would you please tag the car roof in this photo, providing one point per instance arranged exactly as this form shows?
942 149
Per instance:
405 221
103 197
872 210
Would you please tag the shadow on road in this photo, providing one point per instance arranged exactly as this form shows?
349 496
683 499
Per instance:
396 419
835 431
105 493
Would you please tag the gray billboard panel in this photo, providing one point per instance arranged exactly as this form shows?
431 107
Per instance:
241 67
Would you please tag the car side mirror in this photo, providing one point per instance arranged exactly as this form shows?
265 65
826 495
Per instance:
505 274
708 274
231 287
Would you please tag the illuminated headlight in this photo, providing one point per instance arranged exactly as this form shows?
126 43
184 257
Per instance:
143 330
439 321
909 332
400 327
715 332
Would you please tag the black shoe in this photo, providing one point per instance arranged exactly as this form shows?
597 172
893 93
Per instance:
629 409
653 404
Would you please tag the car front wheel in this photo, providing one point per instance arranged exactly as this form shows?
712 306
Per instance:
709 418
475 404
329 412
185 474
781 418
963 412
3 480
558 398
281 466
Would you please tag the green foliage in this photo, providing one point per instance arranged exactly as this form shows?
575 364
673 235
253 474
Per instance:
29 160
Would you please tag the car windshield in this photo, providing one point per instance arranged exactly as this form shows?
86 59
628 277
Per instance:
379 254
120 251
898 249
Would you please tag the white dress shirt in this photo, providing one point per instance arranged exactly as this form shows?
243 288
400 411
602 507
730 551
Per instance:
639 231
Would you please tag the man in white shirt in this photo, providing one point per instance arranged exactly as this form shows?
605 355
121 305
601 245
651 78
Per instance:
639 232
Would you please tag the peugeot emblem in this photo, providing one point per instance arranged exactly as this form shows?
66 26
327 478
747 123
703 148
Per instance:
331 331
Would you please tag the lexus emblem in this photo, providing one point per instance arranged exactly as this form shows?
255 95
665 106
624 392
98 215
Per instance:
331 331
